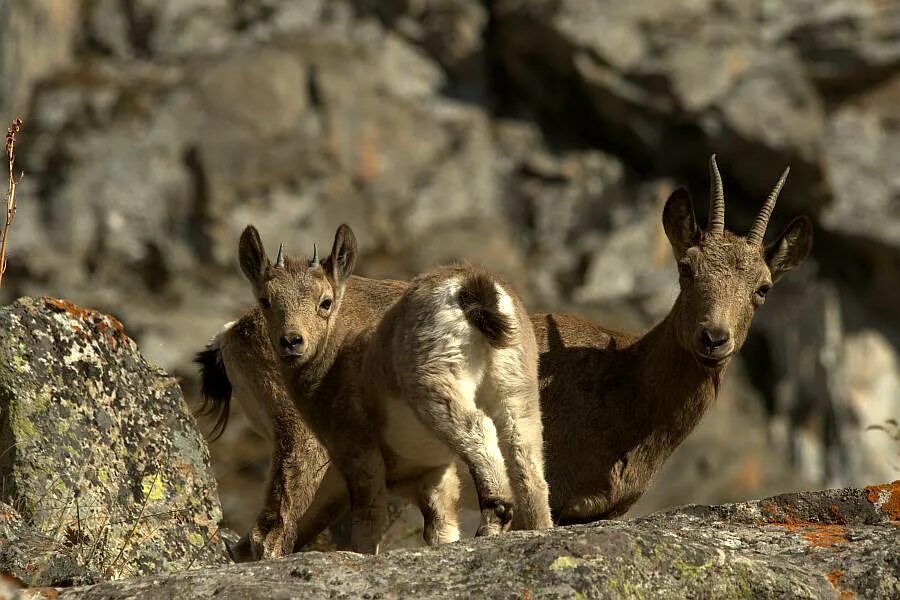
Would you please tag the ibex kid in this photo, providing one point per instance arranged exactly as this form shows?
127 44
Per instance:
452 364
240 363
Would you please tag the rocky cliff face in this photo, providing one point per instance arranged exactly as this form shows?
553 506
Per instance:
834 544
103 473
538 138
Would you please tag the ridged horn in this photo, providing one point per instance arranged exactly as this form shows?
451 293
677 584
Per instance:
717 199
758 231
314 261
279 260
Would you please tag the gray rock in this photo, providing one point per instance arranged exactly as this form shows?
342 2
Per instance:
844 43
826 378
814 545
33 556
100 453
667 82
36 41
863 167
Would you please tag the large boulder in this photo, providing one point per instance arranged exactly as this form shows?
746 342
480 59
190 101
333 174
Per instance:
98 453
813 545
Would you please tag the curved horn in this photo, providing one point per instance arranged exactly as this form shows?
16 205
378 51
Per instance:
279 261
758 231
717 199
314 261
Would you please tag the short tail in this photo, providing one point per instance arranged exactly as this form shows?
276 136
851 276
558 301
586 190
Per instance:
479 301
215 387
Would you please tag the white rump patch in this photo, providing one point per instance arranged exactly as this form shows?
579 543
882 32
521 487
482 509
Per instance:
453 337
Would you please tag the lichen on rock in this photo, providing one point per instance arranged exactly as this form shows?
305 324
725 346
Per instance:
758 549
98 450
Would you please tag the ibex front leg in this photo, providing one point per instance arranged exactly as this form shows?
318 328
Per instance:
331 500
298 464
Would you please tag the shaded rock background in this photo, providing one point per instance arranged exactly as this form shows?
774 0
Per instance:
103 473
833 544
537 137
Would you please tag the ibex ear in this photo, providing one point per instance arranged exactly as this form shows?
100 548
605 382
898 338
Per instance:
680 223
252 255
343 256
791 247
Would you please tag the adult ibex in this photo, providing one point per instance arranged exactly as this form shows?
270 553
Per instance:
616 405
396 402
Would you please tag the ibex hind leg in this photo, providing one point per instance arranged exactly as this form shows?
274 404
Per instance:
510 393
438 499
365 477
448 409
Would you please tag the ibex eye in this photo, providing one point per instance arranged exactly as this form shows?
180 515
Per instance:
264 302
760 295
325 304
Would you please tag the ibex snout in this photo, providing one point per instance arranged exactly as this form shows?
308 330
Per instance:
714 344
292 343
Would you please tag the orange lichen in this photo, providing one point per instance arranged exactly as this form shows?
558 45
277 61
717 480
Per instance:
887 498
818 535
69 308
834 578
107 326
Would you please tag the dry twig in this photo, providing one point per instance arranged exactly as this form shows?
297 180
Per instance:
10 192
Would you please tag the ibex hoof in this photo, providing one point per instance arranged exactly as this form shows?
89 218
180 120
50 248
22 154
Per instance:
263 544
242 551
496 516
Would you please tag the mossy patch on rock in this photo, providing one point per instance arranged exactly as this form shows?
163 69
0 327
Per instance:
98 450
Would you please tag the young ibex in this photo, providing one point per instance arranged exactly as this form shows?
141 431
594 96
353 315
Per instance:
240 363
616 405
450 370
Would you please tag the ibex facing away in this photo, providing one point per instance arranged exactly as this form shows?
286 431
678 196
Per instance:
616 405
450 366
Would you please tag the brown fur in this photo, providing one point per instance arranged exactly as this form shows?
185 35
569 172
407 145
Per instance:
393 402
298 459
615 405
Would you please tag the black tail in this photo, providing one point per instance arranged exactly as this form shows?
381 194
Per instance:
478 301
215 388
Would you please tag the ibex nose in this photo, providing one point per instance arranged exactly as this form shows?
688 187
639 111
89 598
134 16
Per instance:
291 341
714 338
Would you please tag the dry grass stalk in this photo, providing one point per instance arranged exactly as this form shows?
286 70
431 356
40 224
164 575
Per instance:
10 192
